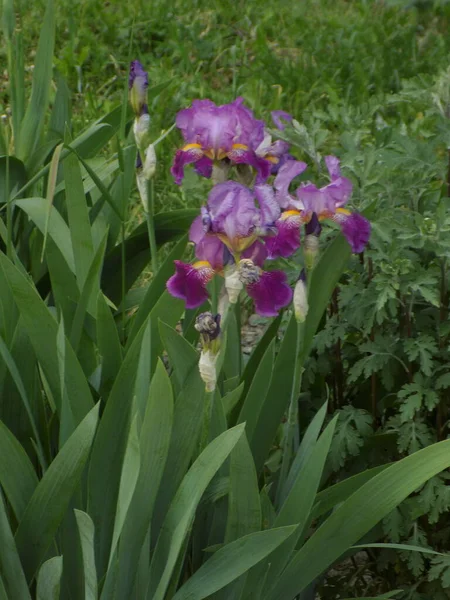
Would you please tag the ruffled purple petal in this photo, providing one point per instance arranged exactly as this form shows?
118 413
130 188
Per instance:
269 207
287 240
183 158
315 200
249 131
356 229
217 128
189 283
257 253
270 293
232 210
277 115
286 174
191 121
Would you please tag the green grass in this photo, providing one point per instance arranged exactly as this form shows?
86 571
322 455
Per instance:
332 56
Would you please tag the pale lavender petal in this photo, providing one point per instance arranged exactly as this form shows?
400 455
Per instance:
333 166
278 149
287 240
211 249
270 293
269 207
277 115
315 200
339 191
183 158
257 253
286 174
249 131
189 283
356 229
189 120
232 209
340 188
197 230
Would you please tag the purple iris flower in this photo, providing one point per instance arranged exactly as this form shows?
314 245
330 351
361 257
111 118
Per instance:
236 215
227 236
214 133
328 203
138 84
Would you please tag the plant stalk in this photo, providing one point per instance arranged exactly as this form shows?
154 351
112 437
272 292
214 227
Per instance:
151 226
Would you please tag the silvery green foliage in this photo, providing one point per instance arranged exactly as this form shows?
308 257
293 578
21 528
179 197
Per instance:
385 346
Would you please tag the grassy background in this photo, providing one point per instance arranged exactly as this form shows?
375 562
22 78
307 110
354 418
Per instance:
335 58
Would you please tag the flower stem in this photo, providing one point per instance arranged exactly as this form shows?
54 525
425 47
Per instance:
292 421
123 275
151 227
208 408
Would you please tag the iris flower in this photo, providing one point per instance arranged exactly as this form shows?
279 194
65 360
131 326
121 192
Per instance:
327 202
229 240
228 132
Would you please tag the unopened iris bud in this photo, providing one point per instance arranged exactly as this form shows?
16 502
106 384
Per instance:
208 325
311 242
300 299
138 84
149 167
141 128
233 284
207 369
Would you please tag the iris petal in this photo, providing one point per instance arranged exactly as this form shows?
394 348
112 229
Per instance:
356 229
189 282
270 293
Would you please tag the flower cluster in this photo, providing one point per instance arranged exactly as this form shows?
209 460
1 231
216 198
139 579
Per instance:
241 229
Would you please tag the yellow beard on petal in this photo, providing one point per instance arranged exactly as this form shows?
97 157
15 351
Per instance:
287 214
191 147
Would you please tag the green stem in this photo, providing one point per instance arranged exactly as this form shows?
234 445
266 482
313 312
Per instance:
123 277
8 212
151 227
292 422
207 419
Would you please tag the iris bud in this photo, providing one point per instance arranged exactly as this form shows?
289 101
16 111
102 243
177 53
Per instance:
300 299
137 85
